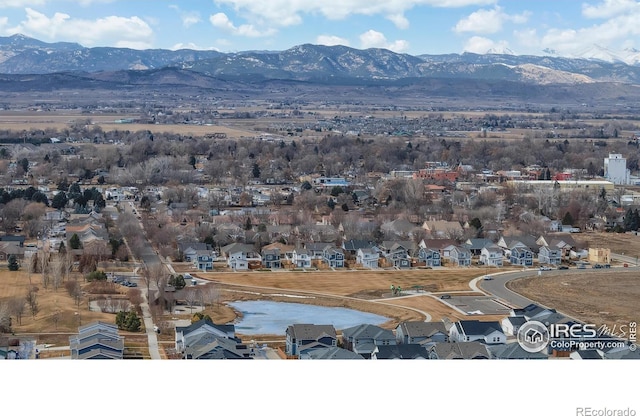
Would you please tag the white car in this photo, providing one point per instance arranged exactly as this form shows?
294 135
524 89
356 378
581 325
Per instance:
487 278
545 268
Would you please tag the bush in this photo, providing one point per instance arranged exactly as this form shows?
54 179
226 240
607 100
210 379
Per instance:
96 276
128 321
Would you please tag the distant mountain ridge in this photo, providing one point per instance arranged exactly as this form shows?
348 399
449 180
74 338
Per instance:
317 63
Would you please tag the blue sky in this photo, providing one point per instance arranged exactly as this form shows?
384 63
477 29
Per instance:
408 26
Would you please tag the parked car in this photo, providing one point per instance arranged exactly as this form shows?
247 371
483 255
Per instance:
563 267
598 266
445 297
545 268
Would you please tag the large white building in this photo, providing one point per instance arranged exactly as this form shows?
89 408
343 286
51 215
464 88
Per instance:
615 169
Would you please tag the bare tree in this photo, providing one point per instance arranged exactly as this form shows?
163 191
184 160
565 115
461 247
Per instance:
74 290
56 269
191 296
16 306
32 300
5 317
210 294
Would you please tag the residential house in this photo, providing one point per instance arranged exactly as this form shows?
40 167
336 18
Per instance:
188 336
97 340
442 245
9 248
400 352
511 324
397 253
586 355
367 257
520 256
332 353
201 255
429 256
316 250
443 229
271 258
364 338
301 258
401 228
513 351
303 338
239 255
334 257
475 245
208 346
420 332
549 255
460 256
487 332
472 350
351 247
491 255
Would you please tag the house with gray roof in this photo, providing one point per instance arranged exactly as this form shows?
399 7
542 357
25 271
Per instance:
332 353
511 324
487 332
97 340
303 338
420 332
400 352
208 346
472 350
187 336
513 351
363 339
367 257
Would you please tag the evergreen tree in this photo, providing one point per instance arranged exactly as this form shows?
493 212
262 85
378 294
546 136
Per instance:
74 242
13 263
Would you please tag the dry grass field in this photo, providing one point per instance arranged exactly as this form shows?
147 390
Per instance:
357 284
628 244
58 316
598 298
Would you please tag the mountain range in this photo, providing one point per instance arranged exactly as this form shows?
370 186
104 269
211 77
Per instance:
30 60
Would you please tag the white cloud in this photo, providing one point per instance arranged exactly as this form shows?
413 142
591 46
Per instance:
20 3
189 18
399 20
330 40
488 21
609 8
373 39
481 45
222 22
113 30
289 12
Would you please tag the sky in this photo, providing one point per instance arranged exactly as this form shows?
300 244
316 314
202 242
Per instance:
406 26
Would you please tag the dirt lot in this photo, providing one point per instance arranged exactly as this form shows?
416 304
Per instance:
607 298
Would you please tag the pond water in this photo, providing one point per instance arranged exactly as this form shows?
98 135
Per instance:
269 317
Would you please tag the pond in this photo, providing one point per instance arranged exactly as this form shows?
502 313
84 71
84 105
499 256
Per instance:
269 317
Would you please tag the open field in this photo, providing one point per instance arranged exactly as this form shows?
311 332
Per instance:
358 284
607 298
619 243
58 316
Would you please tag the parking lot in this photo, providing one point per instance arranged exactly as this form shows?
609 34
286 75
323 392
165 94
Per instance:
477 305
